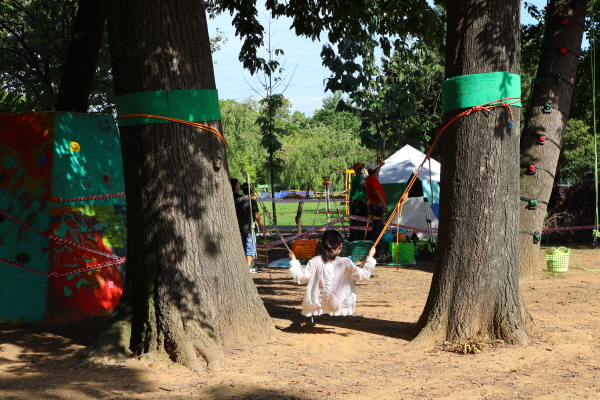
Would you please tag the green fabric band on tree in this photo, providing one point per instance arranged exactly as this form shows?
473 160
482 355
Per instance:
187 105
467 91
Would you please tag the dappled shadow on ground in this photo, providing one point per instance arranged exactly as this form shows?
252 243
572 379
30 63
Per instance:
374 326
282 298
38 362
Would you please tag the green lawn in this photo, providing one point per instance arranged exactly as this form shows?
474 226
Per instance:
286 213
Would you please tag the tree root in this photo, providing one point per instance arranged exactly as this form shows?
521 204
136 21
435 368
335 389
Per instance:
189 354
113 342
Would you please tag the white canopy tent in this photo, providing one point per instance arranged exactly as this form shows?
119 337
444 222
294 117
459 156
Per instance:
397 172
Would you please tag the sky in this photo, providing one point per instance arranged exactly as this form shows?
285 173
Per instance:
301 57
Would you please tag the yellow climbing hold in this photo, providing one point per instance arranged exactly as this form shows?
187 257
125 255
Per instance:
75 147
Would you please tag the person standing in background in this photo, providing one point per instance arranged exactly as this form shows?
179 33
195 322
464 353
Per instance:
358 200
247 212
376 201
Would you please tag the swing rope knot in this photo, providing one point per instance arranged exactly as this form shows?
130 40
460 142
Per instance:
478 108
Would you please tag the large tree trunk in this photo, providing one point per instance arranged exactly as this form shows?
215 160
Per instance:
553 67
475 286
77 77
187 286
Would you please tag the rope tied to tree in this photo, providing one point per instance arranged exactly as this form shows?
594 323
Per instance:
481 107
191 123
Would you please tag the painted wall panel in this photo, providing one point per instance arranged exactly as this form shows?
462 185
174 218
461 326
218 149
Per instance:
48 159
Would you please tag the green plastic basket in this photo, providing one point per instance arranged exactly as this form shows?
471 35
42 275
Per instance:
345 249
360 249
557 260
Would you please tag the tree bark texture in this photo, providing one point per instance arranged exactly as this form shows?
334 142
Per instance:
299 217
187 281
475 285
564 30
77 77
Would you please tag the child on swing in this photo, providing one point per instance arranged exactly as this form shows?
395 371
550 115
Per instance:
330 278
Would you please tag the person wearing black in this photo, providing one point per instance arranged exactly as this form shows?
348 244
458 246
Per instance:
246 217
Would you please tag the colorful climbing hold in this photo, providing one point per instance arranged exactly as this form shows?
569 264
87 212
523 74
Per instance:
75 147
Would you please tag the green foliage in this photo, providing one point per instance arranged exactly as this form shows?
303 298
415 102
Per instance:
217 40
270 131
338 120
314 147
397 98
327 146
322 151
34 38
577 157
242 134
11 102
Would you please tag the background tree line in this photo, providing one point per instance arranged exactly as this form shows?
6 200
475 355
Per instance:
387 94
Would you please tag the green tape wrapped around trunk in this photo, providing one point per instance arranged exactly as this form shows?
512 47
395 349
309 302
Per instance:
467 91
187 105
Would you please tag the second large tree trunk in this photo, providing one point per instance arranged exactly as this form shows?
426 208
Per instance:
77 79
475 286
187 287
554 86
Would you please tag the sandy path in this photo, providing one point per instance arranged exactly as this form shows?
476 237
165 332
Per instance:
360 357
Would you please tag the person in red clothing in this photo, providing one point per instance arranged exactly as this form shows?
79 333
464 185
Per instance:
375 200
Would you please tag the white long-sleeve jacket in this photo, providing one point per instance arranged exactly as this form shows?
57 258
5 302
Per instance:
330 288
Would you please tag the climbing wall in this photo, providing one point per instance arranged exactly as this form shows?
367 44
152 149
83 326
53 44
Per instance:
62 217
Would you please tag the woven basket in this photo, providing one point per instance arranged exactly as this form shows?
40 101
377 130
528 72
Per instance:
557 260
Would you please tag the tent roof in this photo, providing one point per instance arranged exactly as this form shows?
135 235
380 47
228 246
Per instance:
400 166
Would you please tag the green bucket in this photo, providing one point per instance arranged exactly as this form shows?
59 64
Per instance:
557 260
403 253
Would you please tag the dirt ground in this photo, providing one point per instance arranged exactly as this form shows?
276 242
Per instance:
360 357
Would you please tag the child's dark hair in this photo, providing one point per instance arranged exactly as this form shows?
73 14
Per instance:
330 241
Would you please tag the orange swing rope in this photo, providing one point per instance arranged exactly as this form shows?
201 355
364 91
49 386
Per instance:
484 107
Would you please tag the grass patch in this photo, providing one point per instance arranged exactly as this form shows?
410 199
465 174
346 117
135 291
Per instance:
286 213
